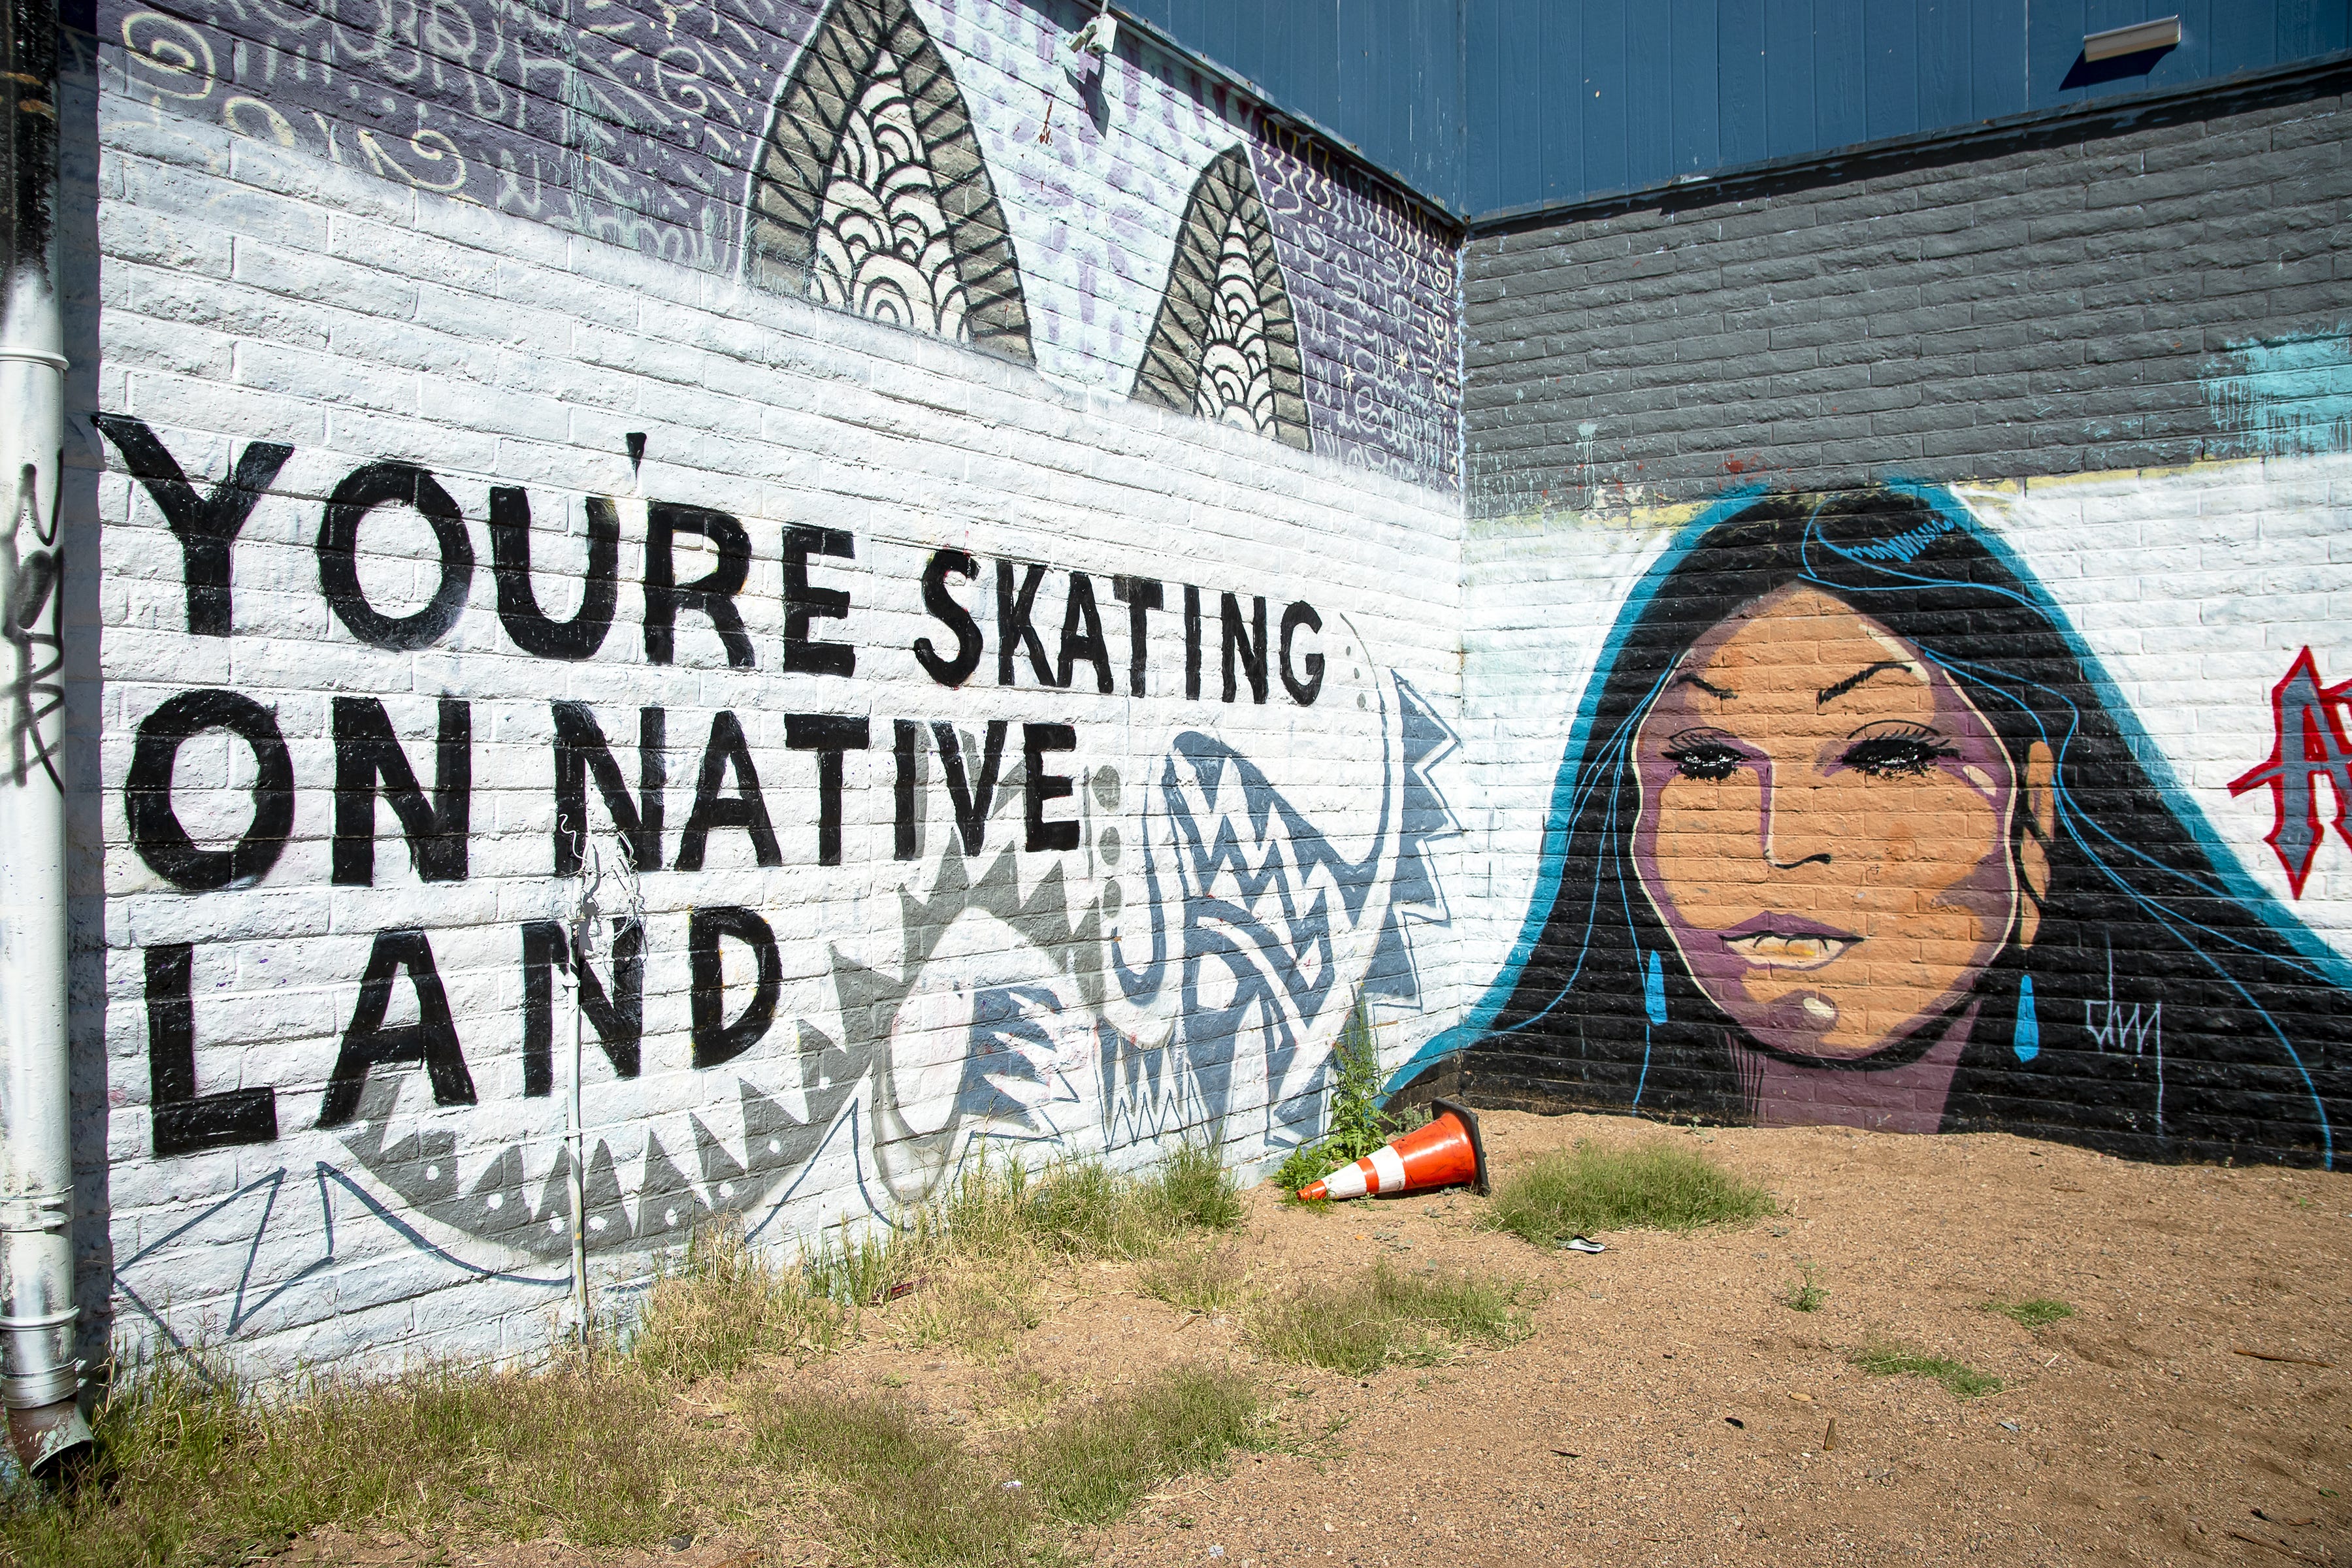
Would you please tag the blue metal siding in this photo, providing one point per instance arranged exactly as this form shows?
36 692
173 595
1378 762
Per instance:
1486 104
1774 78
1692 85
1385 75
1891 65
1739 82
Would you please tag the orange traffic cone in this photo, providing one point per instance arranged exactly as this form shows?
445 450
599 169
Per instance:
1445 1154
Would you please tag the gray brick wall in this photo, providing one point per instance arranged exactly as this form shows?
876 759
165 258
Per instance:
2115 366
2037 310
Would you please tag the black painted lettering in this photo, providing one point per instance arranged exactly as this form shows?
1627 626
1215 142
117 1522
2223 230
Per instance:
727 752
581 749
803 603
971 801
519 611
949 612
1014 631
431 1041
1244 641
717 1040
205 527
1302 692
155 830
618 1018
180 1121
1040 786
1082 635
393 484
1141 595
828 736
907 832
712 593
1192 643
367 751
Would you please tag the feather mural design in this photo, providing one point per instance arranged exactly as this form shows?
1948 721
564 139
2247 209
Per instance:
871 193
1225 345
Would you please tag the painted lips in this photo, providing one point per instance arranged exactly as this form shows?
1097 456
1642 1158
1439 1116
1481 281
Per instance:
1778 945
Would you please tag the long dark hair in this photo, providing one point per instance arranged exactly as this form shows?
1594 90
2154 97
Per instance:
2164 1010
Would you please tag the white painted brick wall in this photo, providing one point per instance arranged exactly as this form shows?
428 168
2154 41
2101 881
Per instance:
253 293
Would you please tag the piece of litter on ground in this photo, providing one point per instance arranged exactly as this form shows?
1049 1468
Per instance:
1010 1487
1216 1552
1735 1421
1581 1244
2009 1425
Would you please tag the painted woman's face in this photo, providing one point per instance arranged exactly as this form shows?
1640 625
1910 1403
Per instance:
1825 827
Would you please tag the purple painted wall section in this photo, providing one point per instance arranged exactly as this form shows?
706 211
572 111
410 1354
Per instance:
1372 281
639 123
634 122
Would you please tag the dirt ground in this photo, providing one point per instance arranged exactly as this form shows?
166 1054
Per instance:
1669 1408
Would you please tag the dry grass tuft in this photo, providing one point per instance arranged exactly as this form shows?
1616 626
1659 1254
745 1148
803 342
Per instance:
2036 1314
192 1468
1386 1318
1662 1185
1094 1464
909 1491
891 1483
1202 1279
1881 1358
726 1307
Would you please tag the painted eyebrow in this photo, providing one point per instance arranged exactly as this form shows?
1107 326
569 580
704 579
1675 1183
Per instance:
1702 686
1830 694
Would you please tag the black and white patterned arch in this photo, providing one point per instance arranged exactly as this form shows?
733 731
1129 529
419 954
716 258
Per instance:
870 193
1225 344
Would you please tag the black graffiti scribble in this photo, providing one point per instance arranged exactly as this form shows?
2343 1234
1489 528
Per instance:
31 582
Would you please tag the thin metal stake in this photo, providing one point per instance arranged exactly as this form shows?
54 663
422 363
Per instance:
576 1136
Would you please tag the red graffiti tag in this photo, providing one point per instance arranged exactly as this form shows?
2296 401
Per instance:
2310 744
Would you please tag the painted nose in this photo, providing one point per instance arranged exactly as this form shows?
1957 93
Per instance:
1797 827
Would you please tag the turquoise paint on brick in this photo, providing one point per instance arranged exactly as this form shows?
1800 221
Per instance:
2288 395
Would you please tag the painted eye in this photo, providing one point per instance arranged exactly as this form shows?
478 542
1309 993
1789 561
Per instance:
1709 759
1905 753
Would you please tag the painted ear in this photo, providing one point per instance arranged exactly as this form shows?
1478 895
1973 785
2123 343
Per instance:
2037 825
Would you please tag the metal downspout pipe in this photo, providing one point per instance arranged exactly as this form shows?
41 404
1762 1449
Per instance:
40 1381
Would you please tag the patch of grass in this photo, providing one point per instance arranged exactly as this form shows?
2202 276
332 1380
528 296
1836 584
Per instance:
1093 1465
1076 1209
1386 1318
725 1306
863 1270
1194 1189
978 1309
911 1491
2037 1314
1206 1279
1662 1184
1803 1295
192 1467
1883 1358
897 1485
